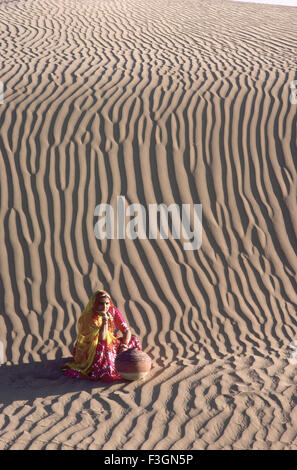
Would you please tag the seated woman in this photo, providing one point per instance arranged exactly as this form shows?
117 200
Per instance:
96 346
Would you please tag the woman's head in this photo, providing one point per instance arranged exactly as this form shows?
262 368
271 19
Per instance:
103 300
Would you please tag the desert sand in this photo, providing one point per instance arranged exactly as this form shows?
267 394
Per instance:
184 102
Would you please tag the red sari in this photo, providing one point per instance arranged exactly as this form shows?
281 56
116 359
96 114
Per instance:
106 351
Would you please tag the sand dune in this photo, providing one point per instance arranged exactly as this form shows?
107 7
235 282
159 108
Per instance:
160 102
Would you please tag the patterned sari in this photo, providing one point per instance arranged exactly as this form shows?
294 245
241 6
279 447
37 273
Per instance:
94 359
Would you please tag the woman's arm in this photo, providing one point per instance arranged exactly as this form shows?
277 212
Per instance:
104 328
127 337
123 327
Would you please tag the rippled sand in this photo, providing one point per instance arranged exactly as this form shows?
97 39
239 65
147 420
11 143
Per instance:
184 102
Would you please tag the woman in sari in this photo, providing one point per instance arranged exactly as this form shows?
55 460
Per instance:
96 346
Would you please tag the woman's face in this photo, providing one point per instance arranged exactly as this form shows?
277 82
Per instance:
104 304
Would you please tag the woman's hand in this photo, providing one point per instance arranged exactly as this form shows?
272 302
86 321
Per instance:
104 329
104 315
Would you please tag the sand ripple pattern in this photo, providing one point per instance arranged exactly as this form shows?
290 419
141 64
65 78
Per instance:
161 102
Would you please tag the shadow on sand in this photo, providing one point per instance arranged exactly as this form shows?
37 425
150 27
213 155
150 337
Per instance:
26 382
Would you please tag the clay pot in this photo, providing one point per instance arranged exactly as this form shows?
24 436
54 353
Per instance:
133 364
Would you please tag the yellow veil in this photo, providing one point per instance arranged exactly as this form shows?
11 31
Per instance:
87 339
